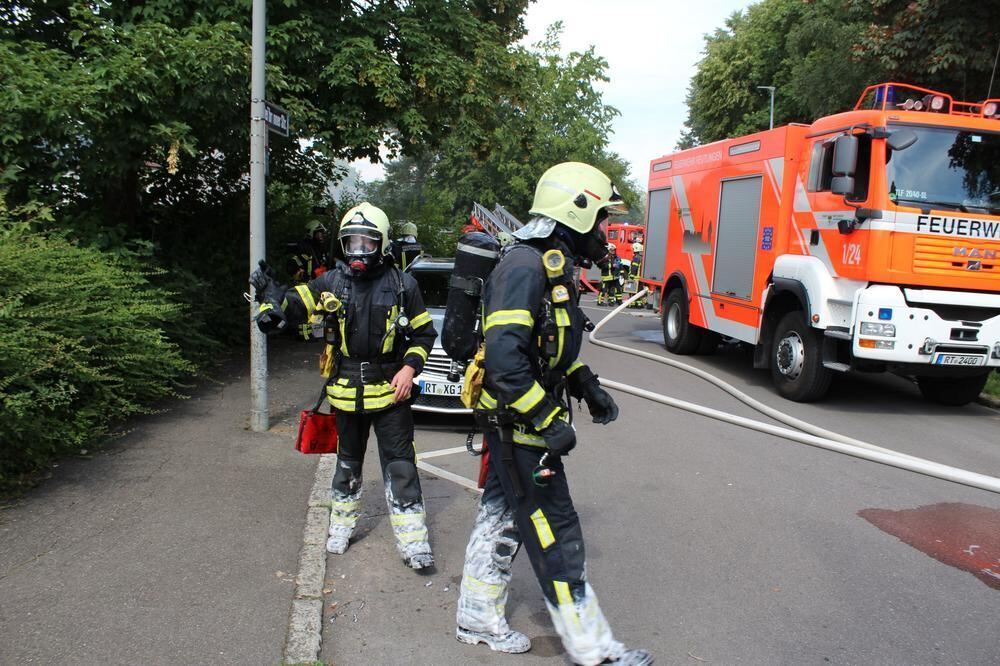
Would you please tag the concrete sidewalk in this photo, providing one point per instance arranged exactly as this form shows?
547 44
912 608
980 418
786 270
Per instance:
178 544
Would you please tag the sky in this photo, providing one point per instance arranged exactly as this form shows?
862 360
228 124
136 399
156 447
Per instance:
652 47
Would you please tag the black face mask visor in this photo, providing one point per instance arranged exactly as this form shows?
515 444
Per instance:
592 247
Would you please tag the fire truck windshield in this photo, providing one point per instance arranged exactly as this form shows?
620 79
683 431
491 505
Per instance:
947 168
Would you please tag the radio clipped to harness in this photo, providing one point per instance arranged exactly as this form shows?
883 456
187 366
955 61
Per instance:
475 373
329 305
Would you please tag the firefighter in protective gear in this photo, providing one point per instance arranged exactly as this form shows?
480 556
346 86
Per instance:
533 330
406 248
378 336
309 258
635 272
610 285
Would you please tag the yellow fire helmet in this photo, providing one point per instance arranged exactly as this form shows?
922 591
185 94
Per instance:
314 226
366 219
572 193
408 229
637 247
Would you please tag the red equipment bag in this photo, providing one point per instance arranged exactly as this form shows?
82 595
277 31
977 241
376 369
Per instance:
317 431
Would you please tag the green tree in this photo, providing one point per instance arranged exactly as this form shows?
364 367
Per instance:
130 119
804 49
820 54
949 45
551 111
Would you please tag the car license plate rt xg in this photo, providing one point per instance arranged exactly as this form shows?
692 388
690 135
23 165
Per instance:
441 388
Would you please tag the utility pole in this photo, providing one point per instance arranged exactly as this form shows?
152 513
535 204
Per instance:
771 88
259 418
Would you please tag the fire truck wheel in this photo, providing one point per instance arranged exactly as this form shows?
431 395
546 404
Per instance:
680 336
954 391
797 360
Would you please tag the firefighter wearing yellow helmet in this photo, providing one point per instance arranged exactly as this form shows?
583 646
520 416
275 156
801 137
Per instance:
406 248
378 335
309 258
610 273
533 330
635 272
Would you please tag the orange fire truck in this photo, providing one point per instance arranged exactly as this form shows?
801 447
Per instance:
868 240
623 235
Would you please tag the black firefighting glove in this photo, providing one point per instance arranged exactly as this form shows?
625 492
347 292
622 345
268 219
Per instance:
600 403
560 437
270 318
265 284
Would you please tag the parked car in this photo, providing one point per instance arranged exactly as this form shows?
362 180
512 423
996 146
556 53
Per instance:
437 393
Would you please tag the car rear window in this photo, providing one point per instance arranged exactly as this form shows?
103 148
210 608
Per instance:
433 286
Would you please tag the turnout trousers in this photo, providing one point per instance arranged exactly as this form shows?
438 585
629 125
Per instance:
394 433
610 293
544 522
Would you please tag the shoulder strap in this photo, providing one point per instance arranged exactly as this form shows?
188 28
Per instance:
400 290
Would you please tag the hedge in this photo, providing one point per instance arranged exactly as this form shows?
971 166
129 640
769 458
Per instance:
82 346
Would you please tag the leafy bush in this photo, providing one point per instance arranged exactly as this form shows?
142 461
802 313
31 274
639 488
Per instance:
993 385
82 345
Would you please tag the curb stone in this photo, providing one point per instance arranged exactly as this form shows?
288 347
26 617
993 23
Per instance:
305 619
988 401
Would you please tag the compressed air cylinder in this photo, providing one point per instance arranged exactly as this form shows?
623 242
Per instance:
475 257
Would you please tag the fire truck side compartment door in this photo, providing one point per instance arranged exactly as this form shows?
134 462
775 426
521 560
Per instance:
657 229
736 247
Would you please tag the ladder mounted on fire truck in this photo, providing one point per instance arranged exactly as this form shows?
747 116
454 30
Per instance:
496 222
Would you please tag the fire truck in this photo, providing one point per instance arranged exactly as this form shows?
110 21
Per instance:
623 235
868 240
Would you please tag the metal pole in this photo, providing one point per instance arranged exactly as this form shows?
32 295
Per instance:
259 419
772 108
770 88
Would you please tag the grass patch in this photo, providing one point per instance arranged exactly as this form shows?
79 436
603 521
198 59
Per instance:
993 385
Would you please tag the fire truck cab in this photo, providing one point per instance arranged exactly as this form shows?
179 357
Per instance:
868 240
623 235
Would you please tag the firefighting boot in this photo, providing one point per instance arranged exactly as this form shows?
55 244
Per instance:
482 604
512 642
344 512
406 513
410 530
632 658
345 508
585 633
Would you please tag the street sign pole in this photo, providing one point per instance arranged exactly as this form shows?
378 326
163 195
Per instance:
259 418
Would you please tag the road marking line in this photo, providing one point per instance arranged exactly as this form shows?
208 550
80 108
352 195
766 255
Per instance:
441 452
449 476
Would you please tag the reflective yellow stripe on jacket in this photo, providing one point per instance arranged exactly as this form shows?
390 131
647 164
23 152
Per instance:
509 317
523 434
562 323
417 351
421 319
529 400
390 330
307 298
374 397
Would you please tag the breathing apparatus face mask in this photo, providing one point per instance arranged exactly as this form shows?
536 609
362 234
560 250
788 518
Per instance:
361 248
592 247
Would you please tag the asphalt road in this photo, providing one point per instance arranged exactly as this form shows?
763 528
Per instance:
709 543
706 543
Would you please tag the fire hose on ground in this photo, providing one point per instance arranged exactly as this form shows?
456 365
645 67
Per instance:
805 433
